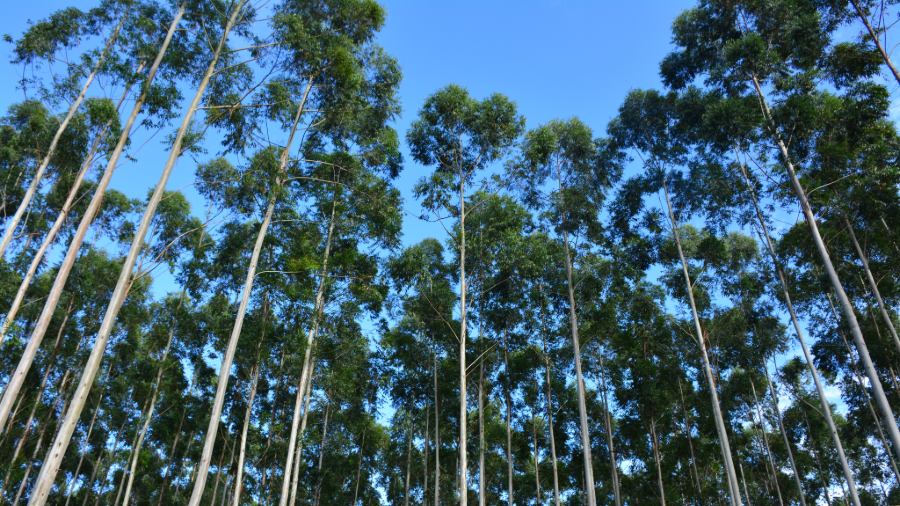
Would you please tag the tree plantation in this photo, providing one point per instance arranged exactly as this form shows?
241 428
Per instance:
693 303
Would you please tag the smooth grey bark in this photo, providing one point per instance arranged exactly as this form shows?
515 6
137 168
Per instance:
50 237
299 452
238 480
34 343
873 285
655 442
826 407
509 456
549 400
765 440
617 493
322 451
306 371
39 174
537 470
787 443
846 306
865 394
462 475
733 487
87 438
408 465
884 55
687 432
437 432
482 485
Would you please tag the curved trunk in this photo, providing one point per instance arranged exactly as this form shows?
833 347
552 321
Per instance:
18 377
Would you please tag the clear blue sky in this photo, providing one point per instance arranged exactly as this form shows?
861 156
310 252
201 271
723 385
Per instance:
557 59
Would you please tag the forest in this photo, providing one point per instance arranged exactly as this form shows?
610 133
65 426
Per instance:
693 303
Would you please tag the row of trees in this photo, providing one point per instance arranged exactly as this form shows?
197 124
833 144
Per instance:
651 316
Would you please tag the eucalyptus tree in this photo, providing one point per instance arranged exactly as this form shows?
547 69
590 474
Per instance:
460 136
647 123
12 388
745 49
583 168
48 473
41 43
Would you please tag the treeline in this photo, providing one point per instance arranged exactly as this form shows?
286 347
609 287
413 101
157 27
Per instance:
658 313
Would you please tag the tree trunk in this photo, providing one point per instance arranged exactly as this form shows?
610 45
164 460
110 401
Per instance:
359 466
733 488
238 481
294 480
787 443
87 438
873 285
537 474
614 467
425 476
40 396
861 347
437 432
744 480
306 371
765 440
687 432
322 453
482 484
57 225
826 407
550 401
408 465
38 497
654 440
865 394
884 55
32 189
509 456
462 475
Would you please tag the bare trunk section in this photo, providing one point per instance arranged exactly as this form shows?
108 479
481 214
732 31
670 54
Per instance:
87 438
509 456
826 407
860 342
437 432
322 453
57 225
787 443
408 465
549 400
873 285
733 487
32 189
655 442
537 471
482 485
687 432
765 440
306 372
462 475
617 493
18 377
299 453
239 479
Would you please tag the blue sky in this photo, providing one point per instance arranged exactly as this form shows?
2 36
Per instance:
556 59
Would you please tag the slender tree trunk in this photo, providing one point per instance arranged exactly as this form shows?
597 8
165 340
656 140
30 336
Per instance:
299 453
509 455
32 189
87 438
238 481
654 440
865 393
537 471
482 482
38 497
744 480
884 55
437 432
826 407
687 431
322 453
24 482
359 466
878 390
873 285
306 372
549 400
787 443
614 468
40 395
462 475
818 460
765 440
212 501
733 487
425 476
57 225
111 454
408 466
